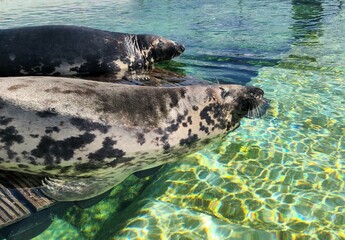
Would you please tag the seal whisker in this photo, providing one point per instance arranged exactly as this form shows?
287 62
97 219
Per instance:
173 56
254 112
257 112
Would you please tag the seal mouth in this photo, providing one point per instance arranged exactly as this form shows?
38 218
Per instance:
254 105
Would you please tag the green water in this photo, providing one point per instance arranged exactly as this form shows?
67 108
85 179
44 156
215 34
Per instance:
279 177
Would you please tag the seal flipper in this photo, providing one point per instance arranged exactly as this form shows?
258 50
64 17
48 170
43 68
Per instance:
76 189
147 172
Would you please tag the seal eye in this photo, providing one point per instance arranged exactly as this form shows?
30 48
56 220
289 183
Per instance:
160 44
224 93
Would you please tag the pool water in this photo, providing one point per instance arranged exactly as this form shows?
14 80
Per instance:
278 177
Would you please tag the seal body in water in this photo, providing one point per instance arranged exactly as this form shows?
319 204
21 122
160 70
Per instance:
70 50
88 136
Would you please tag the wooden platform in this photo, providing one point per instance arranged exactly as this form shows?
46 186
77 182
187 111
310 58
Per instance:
20 197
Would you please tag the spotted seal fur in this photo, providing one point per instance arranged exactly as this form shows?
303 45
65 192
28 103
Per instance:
92 135
70 50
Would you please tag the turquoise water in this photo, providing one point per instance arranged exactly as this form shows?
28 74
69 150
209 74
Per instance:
279 177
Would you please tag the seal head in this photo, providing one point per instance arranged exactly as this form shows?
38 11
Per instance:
157 49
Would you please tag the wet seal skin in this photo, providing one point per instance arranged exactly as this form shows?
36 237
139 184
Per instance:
87 138
61 50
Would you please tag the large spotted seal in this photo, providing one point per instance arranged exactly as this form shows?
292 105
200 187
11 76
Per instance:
92 135
70 50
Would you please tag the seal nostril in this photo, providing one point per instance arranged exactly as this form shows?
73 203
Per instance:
181 48
260 92
255 92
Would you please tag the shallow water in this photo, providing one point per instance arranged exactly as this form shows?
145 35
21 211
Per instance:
279 177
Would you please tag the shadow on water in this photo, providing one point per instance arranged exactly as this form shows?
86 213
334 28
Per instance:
235 68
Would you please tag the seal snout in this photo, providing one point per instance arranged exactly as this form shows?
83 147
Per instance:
180 48
256 92
177 49
251 105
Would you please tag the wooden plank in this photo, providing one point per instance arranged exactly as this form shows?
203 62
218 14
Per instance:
36 199
29 189
11 210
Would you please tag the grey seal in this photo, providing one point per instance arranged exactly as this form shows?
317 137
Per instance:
85 137
62 50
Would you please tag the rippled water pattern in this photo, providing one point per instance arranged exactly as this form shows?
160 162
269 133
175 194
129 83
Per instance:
280 177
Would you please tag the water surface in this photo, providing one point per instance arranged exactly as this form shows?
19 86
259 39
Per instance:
279 177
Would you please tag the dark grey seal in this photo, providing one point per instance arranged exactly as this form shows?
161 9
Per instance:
71 50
